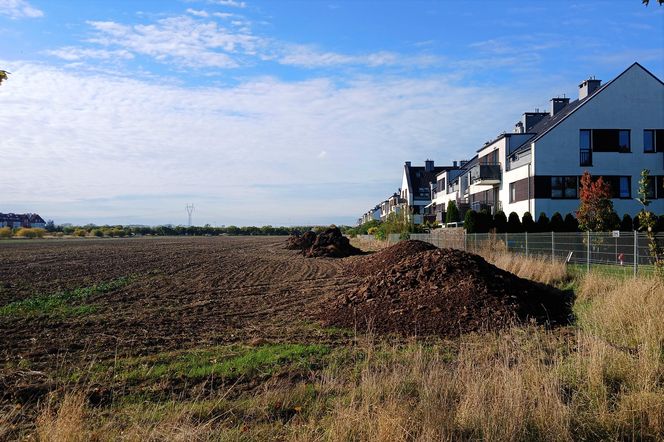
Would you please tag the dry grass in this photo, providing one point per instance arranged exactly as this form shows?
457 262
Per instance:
602 379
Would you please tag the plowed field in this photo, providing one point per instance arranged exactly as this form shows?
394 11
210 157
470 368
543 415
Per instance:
178 293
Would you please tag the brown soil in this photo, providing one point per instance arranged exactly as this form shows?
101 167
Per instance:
389 257
330 244
444 292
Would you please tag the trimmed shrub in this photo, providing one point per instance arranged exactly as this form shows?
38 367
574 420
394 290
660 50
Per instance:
527 222
626 224
543 223
470 222
557 224
571 224
500 222
514 223
452 212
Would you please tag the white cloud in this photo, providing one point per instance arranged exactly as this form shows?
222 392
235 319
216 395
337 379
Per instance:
19 9
197 12
97 145
311 57
231 3
71 53
181 40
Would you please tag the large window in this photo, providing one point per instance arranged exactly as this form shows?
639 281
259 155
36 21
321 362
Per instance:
653 140
564 187
605 140
625 188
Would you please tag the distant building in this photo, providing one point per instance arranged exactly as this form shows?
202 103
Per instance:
14 220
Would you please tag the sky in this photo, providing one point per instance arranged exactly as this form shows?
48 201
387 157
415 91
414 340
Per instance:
278 112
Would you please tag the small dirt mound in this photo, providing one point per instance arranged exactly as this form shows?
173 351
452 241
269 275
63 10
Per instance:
445 292
389 256
330 244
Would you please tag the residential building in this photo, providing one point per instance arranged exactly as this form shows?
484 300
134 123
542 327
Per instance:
14 220
416 185
613 130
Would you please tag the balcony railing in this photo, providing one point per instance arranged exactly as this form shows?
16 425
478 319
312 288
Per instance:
485 174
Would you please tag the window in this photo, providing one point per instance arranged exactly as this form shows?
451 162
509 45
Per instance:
653 140
611 140
649 141
586 156
564 187
512 192
625 188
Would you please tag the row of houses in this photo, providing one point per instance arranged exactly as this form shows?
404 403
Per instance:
613 130
21 220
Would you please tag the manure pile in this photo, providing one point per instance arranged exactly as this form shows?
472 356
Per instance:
415 288
330 244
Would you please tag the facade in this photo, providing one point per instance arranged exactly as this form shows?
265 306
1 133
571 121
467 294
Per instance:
14 220
614 130
416 184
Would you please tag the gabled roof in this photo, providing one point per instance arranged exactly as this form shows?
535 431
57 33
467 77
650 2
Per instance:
420 180
549 123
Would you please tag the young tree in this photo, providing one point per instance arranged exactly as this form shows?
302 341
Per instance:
514 224
596 208
543 223
470 222
527 222
500 222
557 224
571 223
648 223
452 213
3 75
626 223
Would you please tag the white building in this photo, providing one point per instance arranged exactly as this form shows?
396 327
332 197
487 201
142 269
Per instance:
416 182
613 130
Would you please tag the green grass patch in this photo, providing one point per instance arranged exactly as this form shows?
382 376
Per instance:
228 363
63 303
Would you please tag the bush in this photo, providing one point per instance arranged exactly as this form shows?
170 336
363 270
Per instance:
26 232
527 222
543 223
500 222
571 224
470 222
514 224
557 224
80 232
97 232
484 221
5 232
372 230
626 224
452 212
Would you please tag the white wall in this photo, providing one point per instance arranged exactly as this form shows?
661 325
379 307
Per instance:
633 101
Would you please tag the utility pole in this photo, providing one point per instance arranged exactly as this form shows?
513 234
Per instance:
190 210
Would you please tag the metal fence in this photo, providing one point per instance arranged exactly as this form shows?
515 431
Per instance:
626 250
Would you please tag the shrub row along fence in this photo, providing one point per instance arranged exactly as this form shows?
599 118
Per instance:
628 251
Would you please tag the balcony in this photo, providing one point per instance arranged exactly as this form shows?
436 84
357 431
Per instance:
485 174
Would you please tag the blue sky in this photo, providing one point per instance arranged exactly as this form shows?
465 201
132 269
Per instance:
278 112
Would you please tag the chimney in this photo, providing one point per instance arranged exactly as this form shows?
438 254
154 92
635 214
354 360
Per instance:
532 118
407 163
454 164
518 128
463 163
428 166
557 104
588 87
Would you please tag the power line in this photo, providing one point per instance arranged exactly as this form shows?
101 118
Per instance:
190 210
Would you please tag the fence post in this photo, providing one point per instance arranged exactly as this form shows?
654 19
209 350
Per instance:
553 248
465 241
588 252
526 244
636 253
507 244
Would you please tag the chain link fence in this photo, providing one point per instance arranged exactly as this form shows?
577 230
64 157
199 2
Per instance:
628 251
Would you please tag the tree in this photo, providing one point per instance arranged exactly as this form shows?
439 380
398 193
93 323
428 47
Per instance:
527 222
514 224
571 223
470 222
557 224
646 2
648 223
626 223
596 208
3 75
500 222
452 213
543 223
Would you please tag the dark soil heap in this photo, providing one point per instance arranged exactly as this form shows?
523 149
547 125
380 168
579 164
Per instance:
330 243
389 257
444 292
